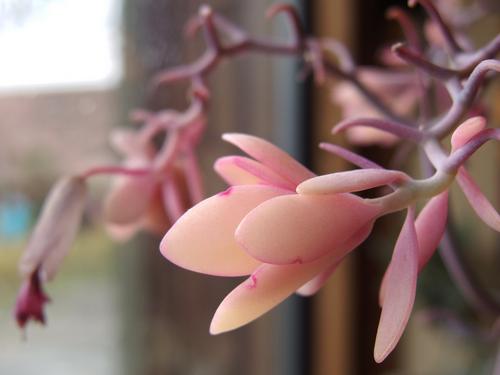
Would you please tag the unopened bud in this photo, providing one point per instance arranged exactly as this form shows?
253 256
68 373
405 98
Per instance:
56 228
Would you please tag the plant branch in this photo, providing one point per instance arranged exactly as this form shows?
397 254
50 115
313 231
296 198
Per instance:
240 43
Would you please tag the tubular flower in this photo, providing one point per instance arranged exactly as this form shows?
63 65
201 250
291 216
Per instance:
278 223
124 219
50 242
149 201
271 173
289 230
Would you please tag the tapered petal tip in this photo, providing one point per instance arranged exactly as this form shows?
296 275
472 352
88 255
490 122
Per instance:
271 156
467 130
242 306
202 240
218 326
380 355
399 294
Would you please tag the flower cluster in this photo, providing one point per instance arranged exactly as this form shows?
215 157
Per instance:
289 229
153 188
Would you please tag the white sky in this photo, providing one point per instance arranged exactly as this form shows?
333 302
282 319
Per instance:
64 44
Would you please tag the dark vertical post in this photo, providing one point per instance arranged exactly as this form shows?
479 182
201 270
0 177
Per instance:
169 309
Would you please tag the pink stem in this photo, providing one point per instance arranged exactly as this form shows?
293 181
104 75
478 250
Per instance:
416 59
400 129
166 156
115 170
210 32
463 100
293 18
489 51
240 43
350 156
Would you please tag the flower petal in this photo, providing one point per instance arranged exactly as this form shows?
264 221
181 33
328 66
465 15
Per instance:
478 201
315 284
129 199
400 291
202 240
430 226
466 131
271 156
155 219
56 228
302 228
240 170
350 181
30 301
234 174
269 285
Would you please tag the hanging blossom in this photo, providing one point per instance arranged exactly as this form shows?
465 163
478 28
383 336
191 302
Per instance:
173 182
289 230
276 223
154 186
48 245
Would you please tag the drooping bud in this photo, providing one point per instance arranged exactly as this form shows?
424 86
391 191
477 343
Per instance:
56 228
30 301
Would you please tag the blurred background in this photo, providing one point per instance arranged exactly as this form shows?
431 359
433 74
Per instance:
70 70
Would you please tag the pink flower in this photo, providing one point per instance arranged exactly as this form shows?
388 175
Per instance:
289 229
50 242
286 242
172 181
214 220
30 301
151 201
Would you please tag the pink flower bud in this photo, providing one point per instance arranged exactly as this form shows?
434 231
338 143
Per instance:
30 301
56 228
